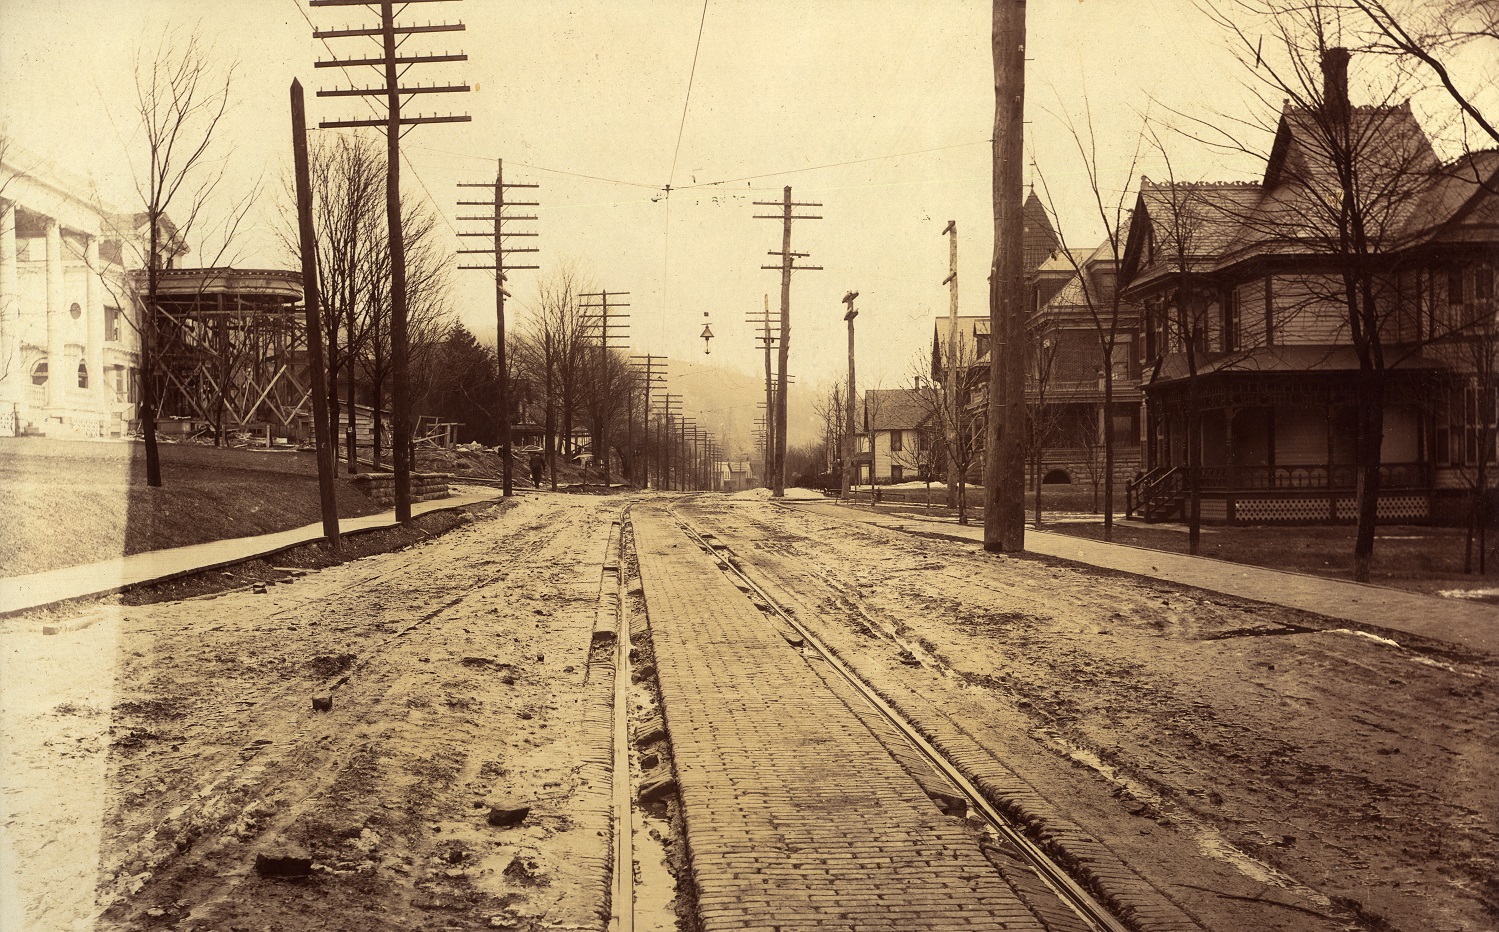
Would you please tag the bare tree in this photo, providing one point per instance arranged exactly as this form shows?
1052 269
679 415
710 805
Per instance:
956 421
1430 32
551 348
1110 314
1042 412
427 283
182 92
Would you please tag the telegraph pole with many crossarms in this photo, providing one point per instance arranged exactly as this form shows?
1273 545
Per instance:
768 341
500 253
786 266
392 65
651 372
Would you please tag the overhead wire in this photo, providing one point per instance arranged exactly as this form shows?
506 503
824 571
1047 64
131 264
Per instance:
672 175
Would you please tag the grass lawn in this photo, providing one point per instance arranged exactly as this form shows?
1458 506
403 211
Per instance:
1411 557
73 502
1414 557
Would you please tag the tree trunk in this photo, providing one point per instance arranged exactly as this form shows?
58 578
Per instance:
1370 440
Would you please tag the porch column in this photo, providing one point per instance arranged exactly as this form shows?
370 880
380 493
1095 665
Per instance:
12 379
1230 472
1332 492
57 323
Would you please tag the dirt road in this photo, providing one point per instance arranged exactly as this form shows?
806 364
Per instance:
153 755
1260 769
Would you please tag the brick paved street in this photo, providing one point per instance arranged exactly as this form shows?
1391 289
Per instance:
796 817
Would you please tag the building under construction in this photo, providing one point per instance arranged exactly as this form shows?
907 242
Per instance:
231 352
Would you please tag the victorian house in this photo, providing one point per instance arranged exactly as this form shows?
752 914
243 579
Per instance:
1258 326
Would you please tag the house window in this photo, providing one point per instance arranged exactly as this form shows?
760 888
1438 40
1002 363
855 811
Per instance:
39 373
896 441
83 375
897 473
1231 321
112 324
1455 285
1483 283
76 311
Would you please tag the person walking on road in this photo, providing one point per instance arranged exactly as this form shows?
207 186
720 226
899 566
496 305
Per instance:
537 464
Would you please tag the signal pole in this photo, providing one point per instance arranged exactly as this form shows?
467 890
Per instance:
950 366
499 234
654 374
394 64
1004 463
787 264
607 342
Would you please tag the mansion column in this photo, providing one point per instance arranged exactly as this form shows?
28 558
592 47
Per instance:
99 386
12 379
57 323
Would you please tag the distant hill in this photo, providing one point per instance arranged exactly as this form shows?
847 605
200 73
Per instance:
727 402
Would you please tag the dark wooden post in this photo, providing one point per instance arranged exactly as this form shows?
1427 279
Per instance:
320 425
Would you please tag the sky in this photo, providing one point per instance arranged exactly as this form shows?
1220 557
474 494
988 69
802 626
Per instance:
879 110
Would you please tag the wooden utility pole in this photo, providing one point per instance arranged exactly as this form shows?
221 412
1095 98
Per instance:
848 427
768 341
394 63
654 374
499 234
950 364
1004 462
786 265
321 429
607 341
669 438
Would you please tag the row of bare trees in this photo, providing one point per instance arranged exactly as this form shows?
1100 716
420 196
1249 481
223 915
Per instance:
347 176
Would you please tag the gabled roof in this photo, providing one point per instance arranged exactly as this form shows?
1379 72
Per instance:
1039 237
894 409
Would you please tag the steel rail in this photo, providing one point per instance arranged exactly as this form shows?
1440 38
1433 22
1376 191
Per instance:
1061 883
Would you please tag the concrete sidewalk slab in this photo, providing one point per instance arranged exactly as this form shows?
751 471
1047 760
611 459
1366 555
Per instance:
1467 624
35 590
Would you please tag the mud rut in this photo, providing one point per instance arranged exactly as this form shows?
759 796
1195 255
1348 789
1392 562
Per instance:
510 664
1259 768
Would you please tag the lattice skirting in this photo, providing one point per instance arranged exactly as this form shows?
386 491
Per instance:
1282 510
1396 507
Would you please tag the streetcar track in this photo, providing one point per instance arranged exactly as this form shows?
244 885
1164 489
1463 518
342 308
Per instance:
1061 883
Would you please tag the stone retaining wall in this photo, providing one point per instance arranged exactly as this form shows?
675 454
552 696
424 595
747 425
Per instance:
381 486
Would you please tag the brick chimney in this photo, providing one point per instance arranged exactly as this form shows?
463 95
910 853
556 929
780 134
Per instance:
1335 81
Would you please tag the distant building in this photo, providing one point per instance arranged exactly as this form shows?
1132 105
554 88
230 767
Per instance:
1065 381
69 349
896 433
736 475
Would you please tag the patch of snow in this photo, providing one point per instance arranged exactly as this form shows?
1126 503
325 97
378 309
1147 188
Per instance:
804 495
1365 634
1468 593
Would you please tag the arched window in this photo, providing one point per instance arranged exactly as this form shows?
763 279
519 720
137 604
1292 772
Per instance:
1056 477
83 375
39 373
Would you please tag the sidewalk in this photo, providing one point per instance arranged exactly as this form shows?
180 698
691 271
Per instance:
1466 624
34 590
